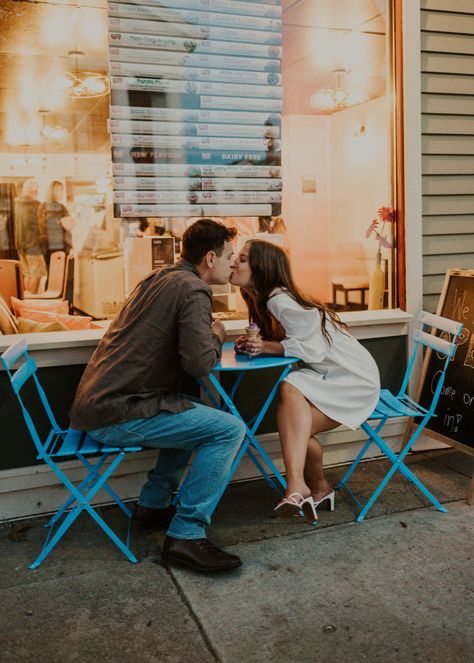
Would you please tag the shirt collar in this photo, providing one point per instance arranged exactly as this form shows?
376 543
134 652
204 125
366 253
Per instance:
185 264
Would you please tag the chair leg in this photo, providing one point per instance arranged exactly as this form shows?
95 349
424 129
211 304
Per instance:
60 532
355 463
106 486
263 454
109 531
397 464
98 481
87 479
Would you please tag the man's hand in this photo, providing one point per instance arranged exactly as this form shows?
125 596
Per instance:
219 329
239 344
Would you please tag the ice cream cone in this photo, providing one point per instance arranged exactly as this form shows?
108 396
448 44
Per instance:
252 332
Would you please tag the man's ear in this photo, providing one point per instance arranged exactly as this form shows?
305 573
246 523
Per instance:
210 259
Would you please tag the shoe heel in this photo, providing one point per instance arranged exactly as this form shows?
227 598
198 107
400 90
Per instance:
330 501
309 511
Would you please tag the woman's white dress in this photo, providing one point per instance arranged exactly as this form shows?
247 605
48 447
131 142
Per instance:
341 379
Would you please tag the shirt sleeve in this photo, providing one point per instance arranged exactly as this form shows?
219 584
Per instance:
304 336
199 348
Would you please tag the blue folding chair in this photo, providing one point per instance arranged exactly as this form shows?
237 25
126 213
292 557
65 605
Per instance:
401 405
60 444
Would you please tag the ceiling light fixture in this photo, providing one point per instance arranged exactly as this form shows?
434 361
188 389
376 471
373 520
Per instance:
332 99
82 84
55 134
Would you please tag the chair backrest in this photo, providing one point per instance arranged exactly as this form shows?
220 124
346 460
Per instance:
433 332
21 369
8 323
11 280
57 269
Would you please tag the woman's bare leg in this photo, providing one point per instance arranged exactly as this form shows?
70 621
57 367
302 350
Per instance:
294 426
298 420
313 469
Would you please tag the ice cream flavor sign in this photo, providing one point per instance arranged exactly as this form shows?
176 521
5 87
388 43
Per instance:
196 96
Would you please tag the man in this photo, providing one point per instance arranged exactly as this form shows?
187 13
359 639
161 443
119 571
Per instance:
27 236
130 394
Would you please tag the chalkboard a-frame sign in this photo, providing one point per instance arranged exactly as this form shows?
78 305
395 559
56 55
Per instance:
454 421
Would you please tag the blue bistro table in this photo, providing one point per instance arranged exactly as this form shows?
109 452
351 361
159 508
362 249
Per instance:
241 364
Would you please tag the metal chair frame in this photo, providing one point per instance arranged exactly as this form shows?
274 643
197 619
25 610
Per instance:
390 406
250 446
60 444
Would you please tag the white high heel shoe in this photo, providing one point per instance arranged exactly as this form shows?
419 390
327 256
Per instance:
330 497
309 511
289 506
309 506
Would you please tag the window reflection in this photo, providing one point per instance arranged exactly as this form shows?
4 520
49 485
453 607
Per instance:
335 138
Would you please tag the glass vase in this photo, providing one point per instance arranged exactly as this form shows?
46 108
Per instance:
376 285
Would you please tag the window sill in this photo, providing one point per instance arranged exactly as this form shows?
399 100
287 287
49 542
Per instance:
76 347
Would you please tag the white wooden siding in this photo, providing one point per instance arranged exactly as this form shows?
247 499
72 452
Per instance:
447 104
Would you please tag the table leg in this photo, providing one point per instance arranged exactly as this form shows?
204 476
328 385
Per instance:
250 445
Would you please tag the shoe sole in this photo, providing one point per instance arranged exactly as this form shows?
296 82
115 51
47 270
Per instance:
309 515
180 562
287 510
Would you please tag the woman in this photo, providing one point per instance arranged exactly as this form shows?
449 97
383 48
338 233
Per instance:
336 383
54 222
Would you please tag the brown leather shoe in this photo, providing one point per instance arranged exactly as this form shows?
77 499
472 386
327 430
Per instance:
153 518
198 554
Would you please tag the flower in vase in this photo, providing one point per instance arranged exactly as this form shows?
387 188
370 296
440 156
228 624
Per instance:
377 227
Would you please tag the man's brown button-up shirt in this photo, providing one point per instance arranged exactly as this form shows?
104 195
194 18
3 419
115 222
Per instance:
163 331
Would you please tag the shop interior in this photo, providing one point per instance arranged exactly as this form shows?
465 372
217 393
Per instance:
337 152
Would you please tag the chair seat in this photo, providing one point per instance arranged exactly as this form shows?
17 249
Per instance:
350 282
77 441
395 406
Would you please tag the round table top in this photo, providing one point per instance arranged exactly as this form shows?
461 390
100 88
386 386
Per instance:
231 361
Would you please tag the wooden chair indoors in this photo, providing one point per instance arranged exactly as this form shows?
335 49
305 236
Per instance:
56 279
11 280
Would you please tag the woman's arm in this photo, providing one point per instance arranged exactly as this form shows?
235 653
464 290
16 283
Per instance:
259 346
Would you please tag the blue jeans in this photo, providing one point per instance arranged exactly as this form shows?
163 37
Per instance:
214 437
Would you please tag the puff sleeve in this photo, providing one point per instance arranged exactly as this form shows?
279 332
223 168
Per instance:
304 337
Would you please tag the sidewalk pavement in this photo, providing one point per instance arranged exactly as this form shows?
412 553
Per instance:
398 588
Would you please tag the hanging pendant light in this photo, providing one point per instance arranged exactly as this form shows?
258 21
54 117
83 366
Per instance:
53 133
332 99
82 84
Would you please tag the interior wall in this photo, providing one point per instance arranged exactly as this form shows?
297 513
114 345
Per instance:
360 184
305 157
45 167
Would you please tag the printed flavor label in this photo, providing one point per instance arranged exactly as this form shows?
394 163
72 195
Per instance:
207 46
196 115
194 197
196 171
191 129
267 8
193 143
193 16
188 30
193 210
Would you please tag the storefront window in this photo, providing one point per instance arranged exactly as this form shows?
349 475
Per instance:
123 123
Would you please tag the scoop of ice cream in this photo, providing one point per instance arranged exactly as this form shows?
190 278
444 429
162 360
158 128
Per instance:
252 331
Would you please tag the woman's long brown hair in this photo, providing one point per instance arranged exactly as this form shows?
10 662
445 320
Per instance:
271 269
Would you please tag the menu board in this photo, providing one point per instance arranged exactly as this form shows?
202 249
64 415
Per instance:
454 421
196 98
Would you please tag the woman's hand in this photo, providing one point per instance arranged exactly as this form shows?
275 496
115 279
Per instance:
255 347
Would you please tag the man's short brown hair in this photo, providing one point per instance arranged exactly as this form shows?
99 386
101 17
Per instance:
203 236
